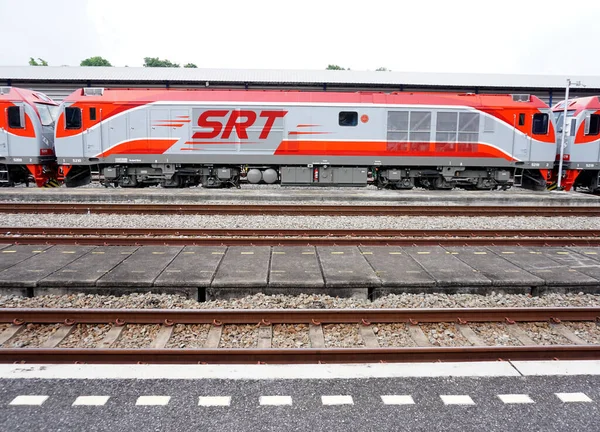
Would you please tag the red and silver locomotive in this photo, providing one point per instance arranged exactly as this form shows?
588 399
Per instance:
133 138
26 137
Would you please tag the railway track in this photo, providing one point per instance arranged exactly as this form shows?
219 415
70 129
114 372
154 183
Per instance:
294 237
466 323
295 210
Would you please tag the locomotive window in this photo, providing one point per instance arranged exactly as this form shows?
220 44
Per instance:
397 127
420 125
348 118
540 124
92 113
468 127
522 119
73 118
45 114
446 125
488 124
594 125
15 120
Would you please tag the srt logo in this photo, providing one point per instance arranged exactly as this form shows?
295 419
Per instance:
240 120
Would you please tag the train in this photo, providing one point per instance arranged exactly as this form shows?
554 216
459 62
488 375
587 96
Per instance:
27 137
224 138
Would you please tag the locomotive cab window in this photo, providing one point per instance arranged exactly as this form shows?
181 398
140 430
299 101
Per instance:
15 117
348 118
73 118
92 114
540 124
594 125
522 119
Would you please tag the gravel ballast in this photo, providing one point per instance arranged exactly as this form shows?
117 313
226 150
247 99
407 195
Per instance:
303 301
297 222
85 336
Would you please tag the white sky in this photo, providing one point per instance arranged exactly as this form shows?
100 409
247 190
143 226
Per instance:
512 36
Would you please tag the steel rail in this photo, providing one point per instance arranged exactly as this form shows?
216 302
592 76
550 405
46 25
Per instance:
303 241
297 316
207 232
305 210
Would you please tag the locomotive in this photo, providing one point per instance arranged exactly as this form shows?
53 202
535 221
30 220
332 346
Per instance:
215 138
27 137
581 154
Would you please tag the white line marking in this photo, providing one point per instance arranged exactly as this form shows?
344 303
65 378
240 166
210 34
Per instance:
91 400
573 397
275 400
337 400
152 400
258 372
552 367
457 400
210 401
28 400
515 398
397 400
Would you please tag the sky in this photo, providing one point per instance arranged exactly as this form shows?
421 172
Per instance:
529 37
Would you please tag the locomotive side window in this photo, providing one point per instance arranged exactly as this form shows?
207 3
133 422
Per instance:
15 117
468 127
522 119
446 125
397 126
540 124
92 114
73 118
594 127
420 125
348 118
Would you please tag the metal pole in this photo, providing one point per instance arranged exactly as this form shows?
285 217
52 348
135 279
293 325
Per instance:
564 135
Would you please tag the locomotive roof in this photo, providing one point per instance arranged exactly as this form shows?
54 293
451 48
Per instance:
19 94
579 104
286 96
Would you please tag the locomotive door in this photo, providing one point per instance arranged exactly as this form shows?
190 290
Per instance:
92 137
138 131
3 142
180 124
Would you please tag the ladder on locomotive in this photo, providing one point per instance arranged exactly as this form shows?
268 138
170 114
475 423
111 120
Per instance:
518 177
95 173
4 174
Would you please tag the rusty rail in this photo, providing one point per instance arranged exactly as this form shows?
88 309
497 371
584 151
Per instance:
364 317
305 210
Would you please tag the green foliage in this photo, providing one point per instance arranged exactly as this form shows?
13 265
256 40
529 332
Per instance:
334 67
190 65
33 62
156 62
95 61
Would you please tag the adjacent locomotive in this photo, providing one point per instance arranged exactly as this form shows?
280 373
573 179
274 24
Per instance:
581 153
176 138
26 137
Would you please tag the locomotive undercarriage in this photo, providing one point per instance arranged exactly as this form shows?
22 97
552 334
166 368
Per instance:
588 179
179 176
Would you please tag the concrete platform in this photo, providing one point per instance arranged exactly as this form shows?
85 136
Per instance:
193 267
504 275
575 261
450 273
14 254
140 268
557 277
397 271
243 269
345 266
369 194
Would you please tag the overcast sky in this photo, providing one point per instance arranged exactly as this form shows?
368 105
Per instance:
549 37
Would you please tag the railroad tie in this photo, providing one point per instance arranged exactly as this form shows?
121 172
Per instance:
214 337
368 336
163 336
112 336
417 335
265 336
316 336
520 334
470 335
58 336
568 333
10 333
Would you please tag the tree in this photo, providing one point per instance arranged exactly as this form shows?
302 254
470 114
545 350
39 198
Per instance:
383 69
33 62
190 65
95 61
334 67
156 62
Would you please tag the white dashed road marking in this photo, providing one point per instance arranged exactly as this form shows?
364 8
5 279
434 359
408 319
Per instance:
91 400
457 400
275 400
337 400
515 398
573 397
152 400
28 400
214 401
397 400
